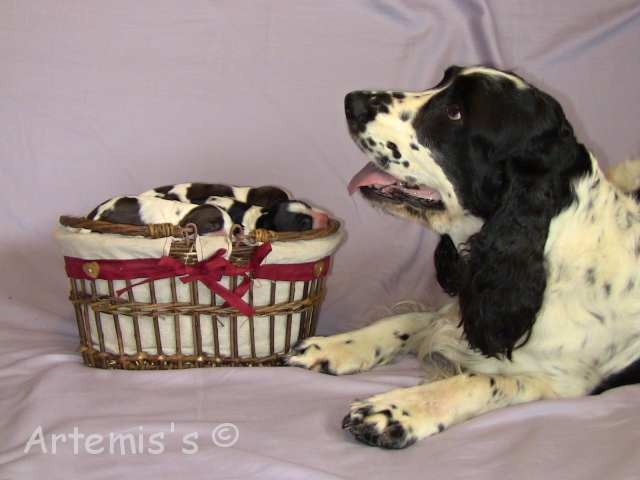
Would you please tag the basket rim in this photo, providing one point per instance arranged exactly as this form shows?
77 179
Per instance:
164 230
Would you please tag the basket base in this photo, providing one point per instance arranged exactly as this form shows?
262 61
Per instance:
144 361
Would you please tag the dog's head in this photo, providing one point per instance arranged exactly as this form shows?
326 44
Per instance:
488 159
442 156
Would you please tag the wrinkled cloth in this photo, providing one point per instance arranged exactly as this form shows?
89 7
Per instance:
105 98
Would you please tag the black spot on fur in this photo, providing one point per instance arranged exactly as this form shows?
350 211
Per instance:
607 289
590 276
348 341
404 336
237 210
630 285
440 428
378 352
398 95
325 367
266 196
163 190
597 316
627 376
448 265
414 146
405 164
125 210
198 193
207 218
405 116
492 382
364 146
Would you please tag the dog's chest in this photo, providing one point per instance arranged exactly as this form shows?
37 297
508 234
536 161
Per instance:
590 318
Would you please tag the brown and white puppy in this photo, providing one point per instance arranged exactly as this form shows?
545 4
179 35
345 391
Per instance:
143 210
198 193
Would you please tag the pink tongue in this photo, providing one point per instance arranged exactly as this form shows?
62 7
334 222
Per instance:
370 175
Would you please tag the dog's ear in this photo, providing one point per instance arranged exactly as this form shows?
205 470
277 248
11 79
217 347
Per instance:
504 277
448 265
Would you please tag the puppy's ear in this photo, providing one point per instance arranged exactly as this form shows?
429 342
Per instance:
448 265
504 276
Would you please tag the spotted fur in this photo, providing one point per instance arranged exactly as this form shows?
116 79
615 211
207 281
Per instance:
540 248
143 210
194 203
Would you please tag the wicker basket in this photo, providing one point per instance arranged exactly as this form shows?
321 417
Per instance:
193 305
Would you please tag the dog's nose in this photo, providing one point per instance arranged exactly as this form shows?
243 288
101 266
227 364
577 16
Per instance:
355 105
358 110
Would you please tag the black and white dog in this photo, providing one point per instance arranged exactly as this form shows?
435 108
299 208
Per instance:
541 249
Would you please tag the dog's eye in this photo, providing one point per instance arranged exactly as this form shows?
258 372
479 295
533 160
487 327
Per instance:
454 112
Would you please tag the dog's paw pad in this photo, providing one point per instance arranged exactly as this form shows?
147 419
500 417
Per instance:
378 428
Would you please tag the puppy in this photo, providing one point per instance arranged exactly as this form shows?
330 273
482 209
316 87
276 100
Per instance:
198 193
284 216
142 210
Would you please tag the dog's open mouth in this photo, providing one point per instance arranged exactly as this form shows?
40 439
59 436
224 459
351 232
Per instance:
377 184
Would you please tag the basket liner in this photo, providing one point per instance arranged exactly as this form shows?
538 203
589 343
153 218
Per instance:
82 244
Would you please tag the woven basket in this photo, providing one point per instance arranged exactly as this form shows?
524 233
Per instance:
184 317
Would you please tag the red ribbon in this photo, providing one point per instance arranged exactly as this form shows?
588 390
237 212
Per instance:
210 272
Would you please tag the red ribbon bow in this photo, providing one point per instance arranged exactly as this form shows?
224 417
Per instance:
210 272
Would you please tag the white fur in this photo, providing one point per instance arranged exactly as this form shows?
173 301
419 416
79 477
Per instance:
519 83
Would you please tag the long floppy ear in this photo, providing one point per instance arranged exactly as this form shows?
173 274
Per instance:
504 277
448 265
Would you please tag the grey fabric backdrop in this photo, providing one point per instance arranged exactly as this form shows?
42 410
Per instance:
99 98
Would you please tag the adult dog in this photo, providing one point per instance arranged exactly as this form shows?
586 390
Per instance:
541 249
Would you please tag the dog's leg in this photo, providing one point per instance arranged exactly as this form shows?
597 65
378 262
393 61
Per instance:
362 349
398 418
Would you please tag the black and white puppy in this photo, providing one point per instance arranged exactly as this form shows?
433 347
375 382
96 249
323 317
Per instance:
540 246
284 216
198 193
143 210
215 216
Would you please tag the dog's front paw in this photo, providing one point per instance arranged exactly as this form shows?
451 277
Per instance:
395 419
335 355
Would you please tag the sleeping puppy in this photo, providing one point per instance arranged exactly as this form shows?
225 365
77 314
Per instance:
284 216
144 210
539 246
198 193
217 215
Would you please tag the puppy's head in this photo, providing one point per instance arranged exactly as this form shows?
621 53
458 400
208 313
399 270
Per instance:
442 155
292 216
